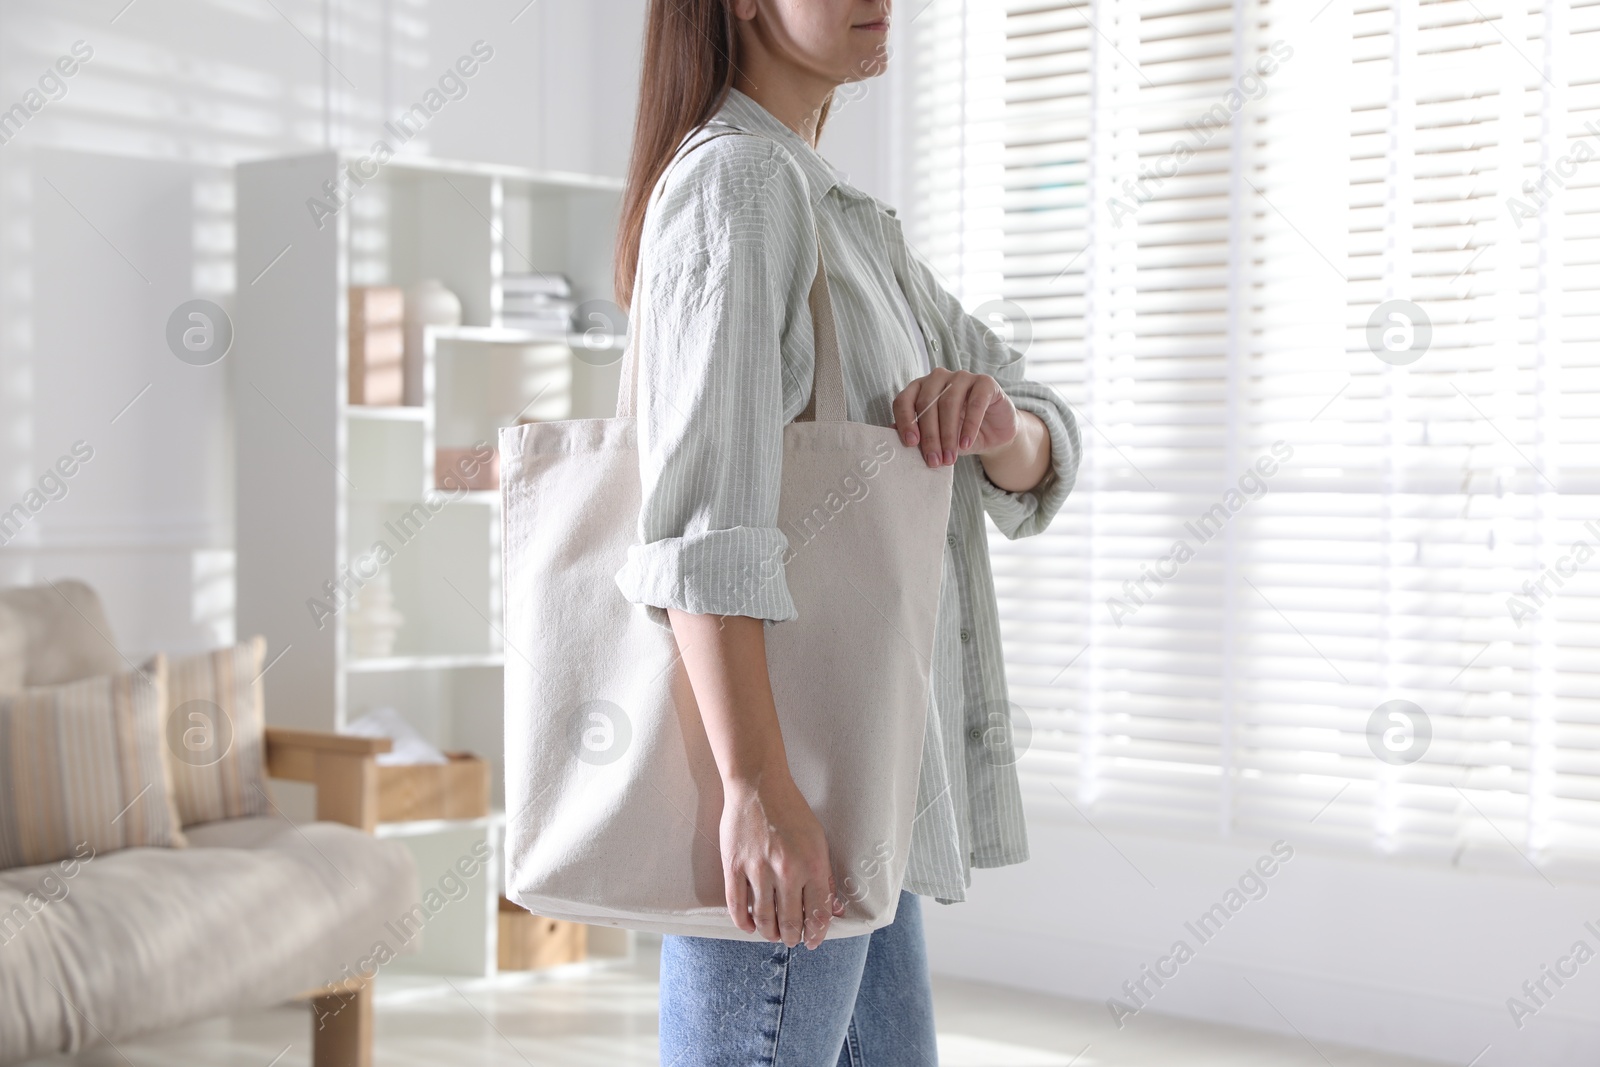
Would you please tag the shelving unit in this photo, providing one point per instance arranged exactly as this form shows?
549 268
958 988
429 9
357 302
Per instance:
401 664
323 484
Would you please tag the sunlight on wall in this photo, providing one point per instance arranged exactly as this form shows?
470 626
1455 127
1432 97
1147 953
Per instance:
203 85
197 86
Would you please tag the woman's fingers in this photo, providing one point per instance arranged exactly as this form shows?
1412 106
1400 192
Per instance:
765 906
928 420
737 891
943 413
791 911
904 409
952 412
979 399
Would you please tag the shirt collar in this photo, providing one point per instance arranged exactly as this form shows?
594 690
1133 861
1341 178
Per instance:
742 113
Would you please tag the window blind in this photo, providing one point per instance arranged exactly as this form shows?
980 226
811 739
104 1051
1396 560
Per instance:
1294 507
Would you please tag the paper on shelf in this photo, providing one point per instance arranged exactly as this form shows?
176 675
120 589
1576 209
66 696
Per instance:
410 747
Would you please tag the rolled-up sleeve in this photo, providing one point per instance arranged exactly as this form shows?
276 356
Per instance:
720 266
982 351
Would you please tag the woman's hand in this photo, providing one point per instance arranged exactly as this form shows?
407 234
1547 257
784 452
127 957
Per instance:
953 413
775 865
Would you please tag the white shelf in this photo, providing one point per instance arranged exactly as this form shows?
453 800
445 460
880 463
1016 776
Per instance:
495 335
391 664
502 335
555 179
397 413
335 486
558 180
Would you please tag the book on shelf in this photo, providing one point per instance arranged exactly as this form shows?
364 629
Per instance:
555 285
519 303
377 345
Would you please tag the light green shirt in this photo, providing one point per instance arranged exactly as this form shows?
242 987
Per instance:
726 264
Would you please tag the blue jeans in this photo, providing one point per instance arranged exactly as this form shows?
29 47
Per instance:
852 1001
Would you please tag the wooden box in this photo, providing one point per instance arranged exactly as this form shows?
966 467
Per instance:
458 469
455 790
529 942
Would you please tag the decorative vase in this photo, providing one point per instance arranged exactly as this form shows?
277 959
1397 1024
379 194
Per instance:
428 303
374 623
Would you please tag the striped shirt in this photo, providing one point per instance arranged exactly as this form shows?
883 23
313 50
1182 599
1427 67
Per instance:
720 309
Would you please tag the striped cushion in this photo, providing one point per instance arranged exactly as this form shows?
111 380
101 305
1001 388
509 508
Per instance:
85 763
215 734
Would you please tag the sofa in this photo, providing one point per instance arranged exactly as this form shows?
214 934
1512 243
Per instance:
249 912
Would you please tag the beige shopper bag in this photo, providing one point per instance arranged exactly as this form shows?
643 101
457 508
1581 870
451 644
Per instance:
613 799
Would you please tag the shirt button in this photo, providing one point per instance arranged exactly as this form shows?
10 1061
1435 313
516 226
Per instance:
965 636
976 733
950 539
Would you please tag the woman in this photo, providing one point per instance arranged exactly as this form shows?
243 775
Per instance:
726 205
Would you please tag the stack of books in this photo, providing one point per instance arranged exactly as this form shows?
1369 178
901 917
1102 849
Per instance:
538 303
377 345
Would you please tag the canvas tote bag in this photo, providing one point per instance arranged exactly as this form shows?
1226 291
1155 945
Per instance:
613 799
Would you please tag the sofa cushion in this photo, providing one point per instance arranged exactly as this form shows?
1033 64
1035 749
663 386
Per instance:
215 734
67 637
255 912
86 763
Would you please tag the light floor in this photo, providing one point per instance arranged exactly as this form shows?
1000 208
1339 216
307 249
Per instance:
607 1018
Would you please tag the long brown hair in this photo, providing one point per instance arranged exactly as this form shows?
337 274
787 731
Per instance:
688 70
690 59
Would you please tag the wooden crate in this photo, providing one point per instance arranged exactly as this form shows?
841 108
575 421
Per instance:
529 942
455 790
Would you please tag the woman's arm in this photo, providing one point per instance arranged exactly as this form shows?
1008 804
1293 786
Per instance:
727 262
1021 465
776 871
